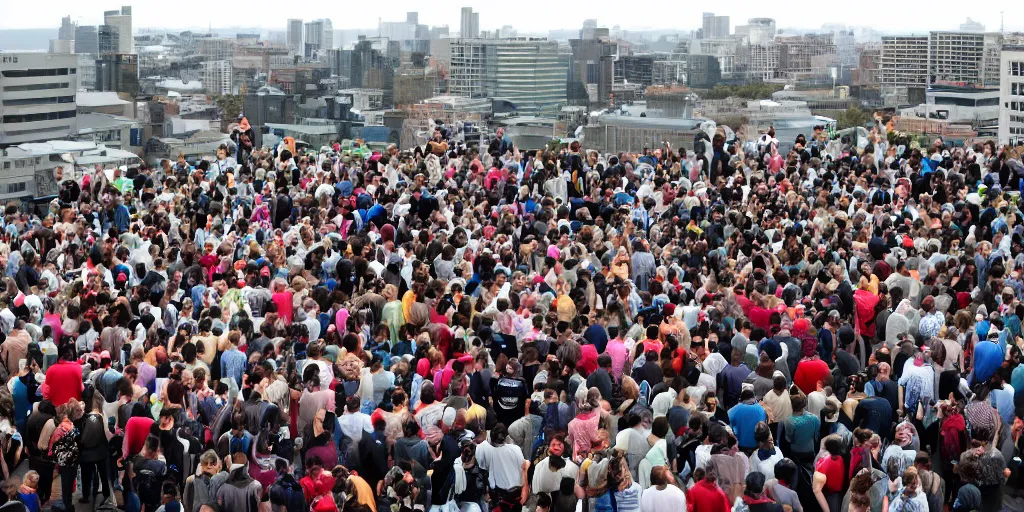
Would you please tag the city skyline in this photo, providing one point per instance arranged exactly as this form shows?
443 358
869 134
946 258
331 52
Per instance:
533 17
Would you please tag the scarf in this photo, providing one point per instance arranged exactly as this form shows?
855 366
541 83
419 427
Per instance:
460 477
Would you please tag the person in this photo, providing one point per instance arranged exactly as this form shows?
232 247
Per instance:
240 491
754 498
63 446
198 487
662 495
145 473
706 495
830 475
94 455
744 418
802 430
28 494
506 469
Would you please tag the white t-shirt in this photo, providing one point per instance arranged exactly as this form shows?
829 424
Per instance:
503 463
661 500
547 480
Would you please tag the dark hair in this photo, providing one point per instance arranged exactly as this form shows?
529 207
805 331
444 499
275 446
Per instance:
785 470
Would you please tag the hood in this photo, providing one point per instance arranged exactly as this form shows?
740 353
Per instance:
239 477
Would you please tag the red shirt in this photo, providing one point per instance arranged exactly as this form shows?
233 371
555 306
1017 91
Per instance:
588 361
64 380
808 373
135 433
832 468
707 497
285 309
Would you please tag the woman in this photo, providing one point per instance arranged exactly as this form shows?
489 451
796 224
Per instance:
910 499
95 450
63 445
583 428
470 486
830 475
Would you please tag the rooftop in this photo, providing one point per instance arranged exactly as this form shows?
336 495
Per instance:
98 99
93 122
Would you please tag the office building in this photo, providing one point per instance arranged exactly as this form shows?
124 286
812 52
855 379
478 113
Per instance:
956 58
217 77
846 47
762 60
714 27
122 21
903 69
86 39
971 26
37 91
67 29
593 65
118 72
806 56
527 72
1011 94
723 49
635 69
761 30
108 39
469 27
318 36
589 27
702 71
294 36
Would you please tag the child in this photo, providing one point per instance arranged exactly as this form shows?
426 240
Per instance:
27 492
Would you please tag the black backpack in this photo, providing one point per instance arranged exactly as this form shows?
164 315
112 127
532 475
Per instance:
287 494
148 484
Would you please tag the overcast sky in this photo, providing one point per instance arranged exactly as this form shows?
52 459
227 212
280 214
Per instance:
529 16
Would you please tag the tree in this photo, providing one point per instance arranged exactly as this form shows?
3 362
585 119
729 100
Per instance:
230 106
852 117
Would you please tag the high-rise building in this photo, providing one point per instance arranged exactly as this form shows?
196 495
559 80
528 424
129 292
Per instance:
971 26
470 24
412 18
715 27
37 91
86 39
118 72
903 69
122 20
108 39
761 30
318 37
959 58
846 47
67 29
530 73
1011 95
294 36
217 77
589 26
724 49
806 56
593 64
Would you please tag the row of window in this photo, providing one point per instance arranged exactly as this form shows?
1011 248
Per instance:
47 116
1017 68
37 87
1016 131
1017 119
1017 106
30 73
39 101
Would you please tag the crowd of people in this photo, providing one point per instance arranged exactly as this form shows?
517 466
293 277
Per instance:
458 329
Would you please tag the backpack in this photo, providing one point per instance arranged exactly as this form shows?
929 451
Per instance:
951 433
65 449
348 452
147 483
645 392
288 495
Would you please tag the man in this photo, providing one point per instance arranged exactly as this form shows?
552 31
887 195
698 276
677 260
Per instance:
354 422
15 347
149 472
551 470
662 495
506 469
176 443
730 380
197 487
744 417
240 492
312 400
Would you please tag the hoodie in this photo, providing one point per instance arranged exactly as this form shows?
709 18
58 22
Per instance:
240 492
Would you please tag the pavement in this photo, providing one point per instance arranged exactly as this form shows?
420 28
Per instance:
55 493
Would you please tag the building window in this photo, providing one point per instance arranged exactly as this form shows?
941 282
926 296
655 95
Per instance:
29 73
37 87
13 188
19 164
29 118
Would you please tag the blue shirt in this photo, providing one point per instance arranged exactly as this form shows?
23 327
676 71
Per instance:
1002 400
744 417
232 364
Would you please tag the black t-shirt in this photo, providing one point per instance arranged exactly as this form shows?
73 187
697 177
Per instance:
509 396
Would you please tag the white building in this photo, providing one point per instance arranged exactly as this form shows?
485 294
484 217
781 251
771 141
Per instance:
714 27
530 73
846 48
217 76
469 26
37 96
724 49
122 20
761 31
1011 95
